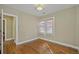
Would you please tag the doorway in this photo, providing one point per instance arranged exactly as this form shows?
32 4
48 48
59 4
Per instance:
8 28
9 32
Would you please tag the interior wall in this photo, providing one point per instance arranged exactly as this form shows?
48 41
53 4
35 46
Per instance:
27 27
27 24
66 25
77 26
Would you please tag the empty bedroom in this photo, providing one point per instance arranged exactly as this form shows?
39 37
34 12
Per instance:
40 28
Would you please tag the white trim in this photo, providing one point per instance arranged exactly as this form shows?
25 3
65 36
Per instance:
5 27
9 14
18 43
48 18
9 39
65 44
16 19
2 31
16 29
14 22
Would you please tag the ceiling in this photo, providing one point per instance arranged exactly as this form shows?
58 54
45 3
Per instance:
48 8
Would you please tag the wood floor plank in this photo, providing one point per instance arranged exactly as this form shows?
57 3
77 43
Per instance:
38 46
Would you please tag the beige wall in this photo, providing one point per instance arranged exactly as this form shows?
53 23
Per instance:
77 26
66 25
27 27
27 24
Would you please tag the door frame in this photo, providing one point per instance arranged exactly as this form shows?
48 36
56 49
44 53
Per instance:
16 19
1 31
5 26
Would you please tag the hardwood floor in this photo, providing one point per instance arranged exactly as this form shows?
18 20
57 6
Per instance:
37 47
9 47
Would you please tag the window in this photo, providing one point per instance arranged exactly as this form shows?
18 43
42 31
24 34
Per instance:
42 27
47 26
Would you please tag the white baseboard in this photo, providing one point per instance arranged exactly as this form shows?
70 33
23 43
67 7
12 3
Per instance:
18 43
65 44
9 39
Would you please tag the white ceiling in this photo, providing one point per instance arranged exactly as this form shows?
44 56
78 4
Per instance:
48 8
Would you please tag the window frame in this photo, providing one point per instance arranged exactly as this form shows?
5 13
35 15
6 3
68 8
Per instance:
45 27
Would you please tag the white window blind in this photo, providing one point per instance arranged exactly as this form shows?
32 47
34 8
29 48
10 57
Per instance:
42 27
47 26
